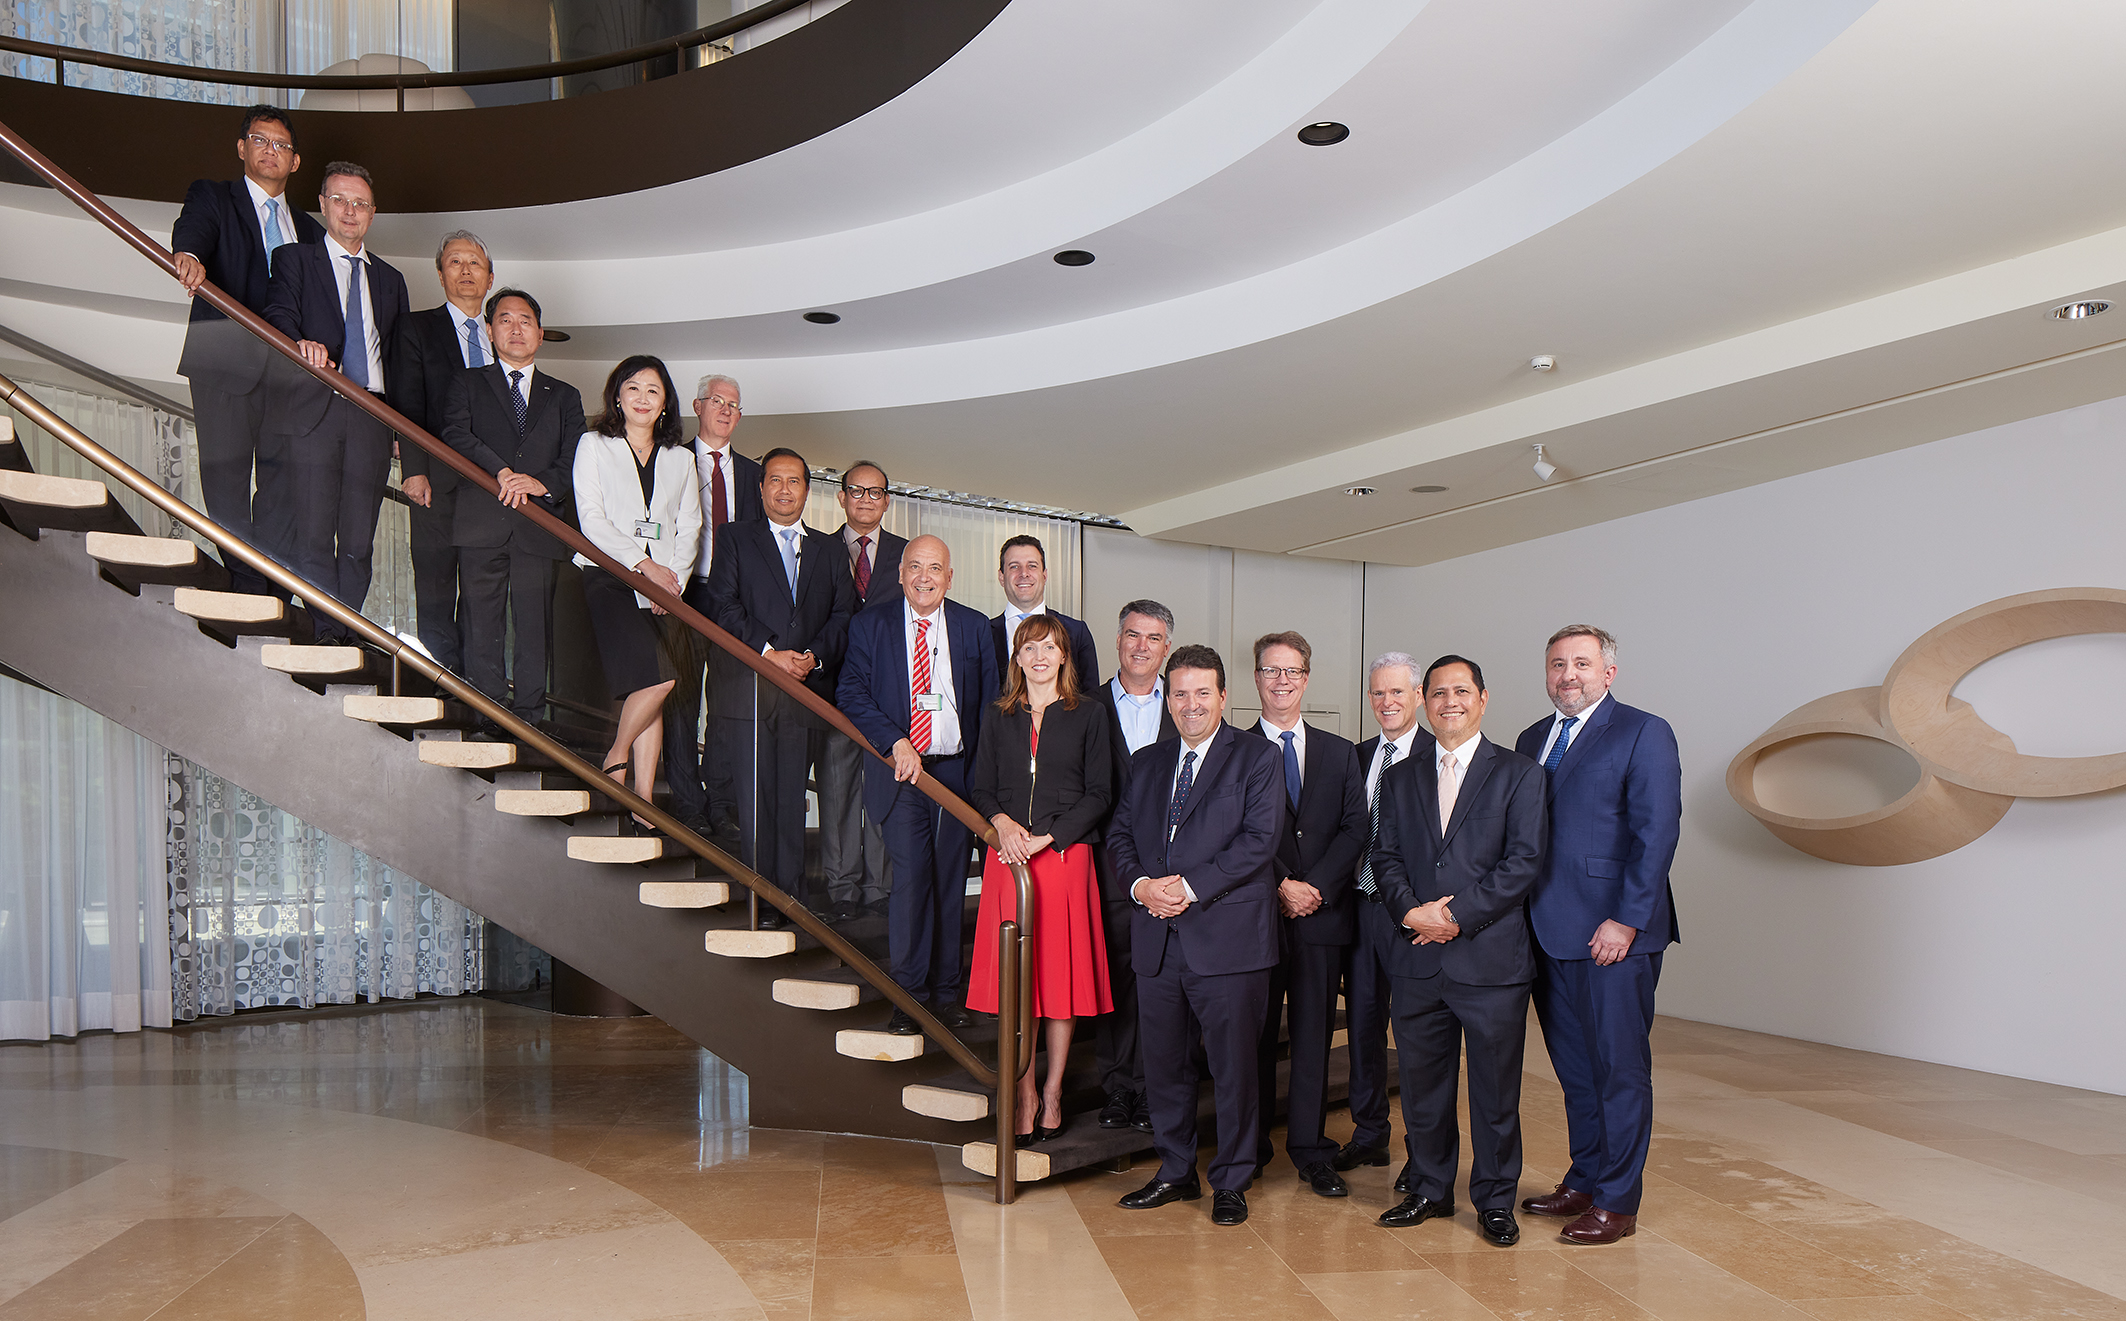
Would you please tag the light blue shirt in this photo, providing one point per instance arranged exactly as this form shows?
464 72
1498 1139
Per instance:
1139 716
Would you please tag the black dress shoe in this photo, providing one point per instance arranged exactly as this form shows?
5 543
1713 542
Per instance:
1115 1114
1353 1154
1499 1226
1229 1208
771 919
953 1016
1325 1181
1415 1210
1159 1192
902 1024
1402 1181
1140 1113
842 911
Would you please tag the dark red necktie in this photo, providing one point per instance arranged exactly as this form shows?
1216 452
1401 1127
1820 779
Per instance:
863 567
719 504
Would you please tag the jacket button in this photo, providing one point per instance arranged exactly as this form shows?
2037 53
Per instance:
1441 863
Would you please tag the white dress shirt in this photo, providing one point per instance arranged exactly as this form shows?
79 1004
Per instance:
522 386
1196 773
1299 745
1402 754
1139 716
1013 617
460 319
706 461
341 273
259 199
869 552
1557 720
944 722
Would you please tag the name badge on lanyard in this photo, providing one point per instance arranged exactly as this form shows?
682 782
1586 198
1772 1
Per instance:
930 701
647 531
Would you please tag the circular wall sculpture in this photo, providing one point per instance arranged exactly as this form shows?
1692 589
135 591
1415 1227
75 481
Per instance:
1969 772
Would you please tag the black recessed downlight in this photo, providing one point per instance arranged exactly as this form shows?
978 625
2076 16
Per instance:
823 318
1074 257
1428 490
1325 134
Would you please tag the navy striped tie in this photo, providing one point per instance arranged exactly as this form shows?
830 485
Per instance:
1564 740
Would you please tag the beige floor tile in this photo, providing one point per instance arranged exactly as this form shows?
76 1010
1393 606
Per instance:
778 1271
1534 1286
1753 1251
1914 1308
2076 1174
137 1273
1229 1276
291 1270
889 1289
867 1213
1910 1122
1676 1285
28 1175
1095 1195
663 1272
721 1204
2085 1123
1395 1295
1032 1260
1330 1236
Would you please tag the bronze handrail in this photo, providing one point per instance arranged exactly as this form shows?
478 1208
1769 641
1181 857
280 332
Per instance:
1010 1052
523 73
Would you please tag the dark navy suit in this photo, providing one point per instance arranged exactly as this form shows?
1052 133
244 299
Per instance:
427 354
1474 986
1616 807
1120 1057
930 848
1209 966
1374 936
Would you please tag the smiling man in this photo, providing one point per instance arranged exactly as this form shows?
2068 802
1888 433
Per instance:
1197 831
1462 834
1022 570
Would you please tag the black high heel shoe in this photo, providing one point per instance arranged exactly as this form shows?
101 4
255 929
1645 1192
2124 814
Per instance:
631 824
1043 1133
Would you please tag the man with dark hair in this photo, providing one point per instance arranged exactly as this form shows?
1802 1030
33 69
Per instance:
1462 834
521 425
1602 914
1022 567
340 304
432 348
784 590
227 233
1196 831
1325 827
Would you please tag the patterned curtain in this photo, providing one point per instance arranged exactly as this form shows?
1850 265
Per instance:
218 34
321 33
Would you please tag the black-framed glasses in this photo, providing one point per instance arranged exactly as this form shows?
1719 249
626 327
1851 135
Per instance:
264 143
1288 671
864 492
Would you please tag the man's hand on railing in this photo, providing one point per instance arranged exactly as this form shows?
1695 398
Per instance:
315 354
907 762
660 575
190 273
517 488
417 490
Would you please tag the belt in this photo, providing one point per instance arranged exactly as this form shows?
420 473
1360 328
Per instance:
929 760
701 578
1373 898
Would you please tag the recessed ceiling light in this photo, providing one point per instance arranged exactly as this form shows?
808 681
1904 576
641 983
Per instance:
1074 257
1428 490
2081 309
1358 490
823 318
1325 134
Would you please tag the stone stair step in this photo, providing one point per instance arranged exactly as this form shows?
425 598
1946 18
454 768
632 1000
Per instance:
742 944
863 1043
132 561
685 894
238 614
62 504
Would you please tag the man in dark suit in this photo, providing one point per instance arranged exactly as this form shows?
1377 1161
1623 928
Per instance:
1325 827
852 852
704 793
432 348
227 233
1136 706
522 426
919 681
1603 913
340 304
782 589
1022 567
1196 832
1461 843
1395 688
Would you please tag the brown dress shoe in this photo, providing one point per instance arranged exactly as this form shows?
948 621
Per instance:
1567 1202
1599 1226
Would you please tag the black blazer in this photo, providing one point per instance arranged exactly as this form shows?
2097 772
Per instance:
1084 656
424 357
1488 859
1322 840
303 302
218 226
1225 848
749 596
885 567
1112 890
1067 791
480 423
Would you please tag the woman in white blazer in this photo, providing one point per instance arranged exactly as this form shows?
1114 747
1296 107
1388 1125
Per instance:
637 500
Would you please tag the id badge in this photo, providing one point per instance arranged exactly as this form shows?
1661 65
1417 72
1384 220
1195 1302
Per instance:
930 701
648 531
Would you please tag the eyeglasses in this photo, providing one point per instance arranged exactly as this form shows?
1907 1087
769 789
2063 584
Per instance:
1287 671
354 204
264 143
864 492
716 401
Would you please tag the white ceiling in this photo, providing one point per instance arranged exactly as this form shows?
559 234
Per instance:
1760 236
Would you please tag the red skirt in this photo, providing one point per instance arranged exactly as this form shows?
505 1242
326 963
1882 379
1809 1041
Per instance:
1069 944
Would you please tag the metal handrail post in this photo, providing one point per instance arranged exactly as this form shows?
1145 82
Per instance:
1009 1028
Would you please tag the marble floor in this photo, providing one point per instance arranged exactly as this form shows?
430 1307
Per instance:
470 1159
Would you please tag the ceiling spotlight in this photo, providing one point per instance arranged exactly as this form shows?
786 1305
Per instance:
1325 134
1074 257
1542 362
2081 308
1358 490
1544 468
823 318
1428 490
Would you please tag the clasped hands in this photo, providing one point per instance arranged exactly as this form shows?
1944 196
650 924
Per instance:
660 575
1297 898
1431 924
1015 843
1162 896
798 664
516 488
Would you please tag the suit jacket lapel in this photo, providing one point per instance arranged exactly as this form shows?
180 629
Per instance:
539 398
1481 761
256 243
1597 726
1215 754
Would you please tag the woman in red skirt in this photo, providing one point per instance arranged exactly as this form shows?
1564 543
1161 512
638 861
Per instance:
1043 776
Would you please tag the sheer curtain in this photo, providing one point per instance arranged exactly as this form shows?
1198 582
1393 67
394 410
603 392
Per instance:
220 34
324 32
975 536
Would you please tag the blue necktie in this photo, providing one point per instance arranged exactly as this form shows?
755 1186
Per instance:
275 236
1557 748
475 356
354 354
789 557
1181 788
1291 767
516 400
1366 883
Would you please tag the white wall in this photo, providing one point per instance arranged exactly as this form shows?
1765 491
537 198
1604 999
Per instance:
1733 610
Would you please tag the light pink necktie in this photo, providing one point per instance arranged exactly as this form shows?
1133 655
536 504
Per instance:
1450 782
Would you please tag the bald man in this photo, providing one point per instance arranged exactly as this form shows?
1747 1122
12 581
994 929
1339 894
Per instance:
917 681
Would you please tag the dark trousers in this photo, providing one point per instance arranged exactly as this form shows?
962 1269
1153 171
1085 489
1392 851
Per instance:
340 470
435 579
1120 1057
1226 1010
770 780
498 581
930 849
852 851
1302 999
1366 1000
231 445
1434 1016
701 783
1597 1023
